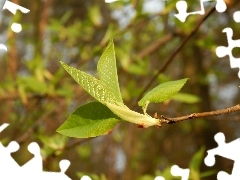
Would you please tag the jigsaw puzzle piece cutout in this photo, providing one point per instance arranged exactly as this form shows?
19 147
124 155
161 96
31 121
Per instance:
182 6
236 16
53 175
4 125
210 159
177 171
64 164
35 164
222 51
157 178
7 163
33 169
12 7
3 47
225 176
227 150
221 6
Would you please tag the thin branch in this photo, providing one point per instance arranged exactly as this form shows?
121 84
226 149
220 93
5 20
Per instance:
200 115
135 4
179 48
155 45
30 96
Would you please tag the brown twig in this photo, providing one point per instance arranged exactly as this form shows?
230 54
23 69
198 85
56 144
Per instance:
199 115
30 96
155 45
179 48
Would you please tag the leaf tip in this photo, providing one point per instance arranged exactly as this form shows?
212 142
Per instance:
111 40
186 79
59 129
63 63
111 43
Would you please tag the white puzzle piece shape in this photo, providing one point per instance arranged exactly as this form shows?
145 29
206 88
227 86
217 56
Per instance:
12 7
227 150
182 6
177 171
33 169
222 51
236 16
159 178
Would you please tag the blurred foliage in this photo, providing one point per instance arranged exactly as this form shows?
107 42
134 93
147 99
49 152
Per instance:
194 166
37 95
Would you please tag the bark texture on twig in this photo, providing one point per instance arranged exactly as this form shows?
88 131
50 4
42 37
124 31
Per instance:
200 115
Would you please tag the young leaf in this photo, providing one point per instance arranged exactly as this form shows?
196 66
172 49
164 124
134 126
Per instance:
107 71
134 117
162 92
89 120
93 86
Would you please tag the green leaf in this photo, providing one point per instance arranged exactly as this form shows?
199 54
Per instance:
107 71
208 173
105 90
195 164
93 86
134 117
66 17
34 84
89 120
95 15
186 98
55 142
162 92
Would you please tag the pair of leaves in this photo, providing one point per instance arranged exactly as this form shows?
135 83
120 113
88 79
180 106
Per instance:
97 118
105 89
